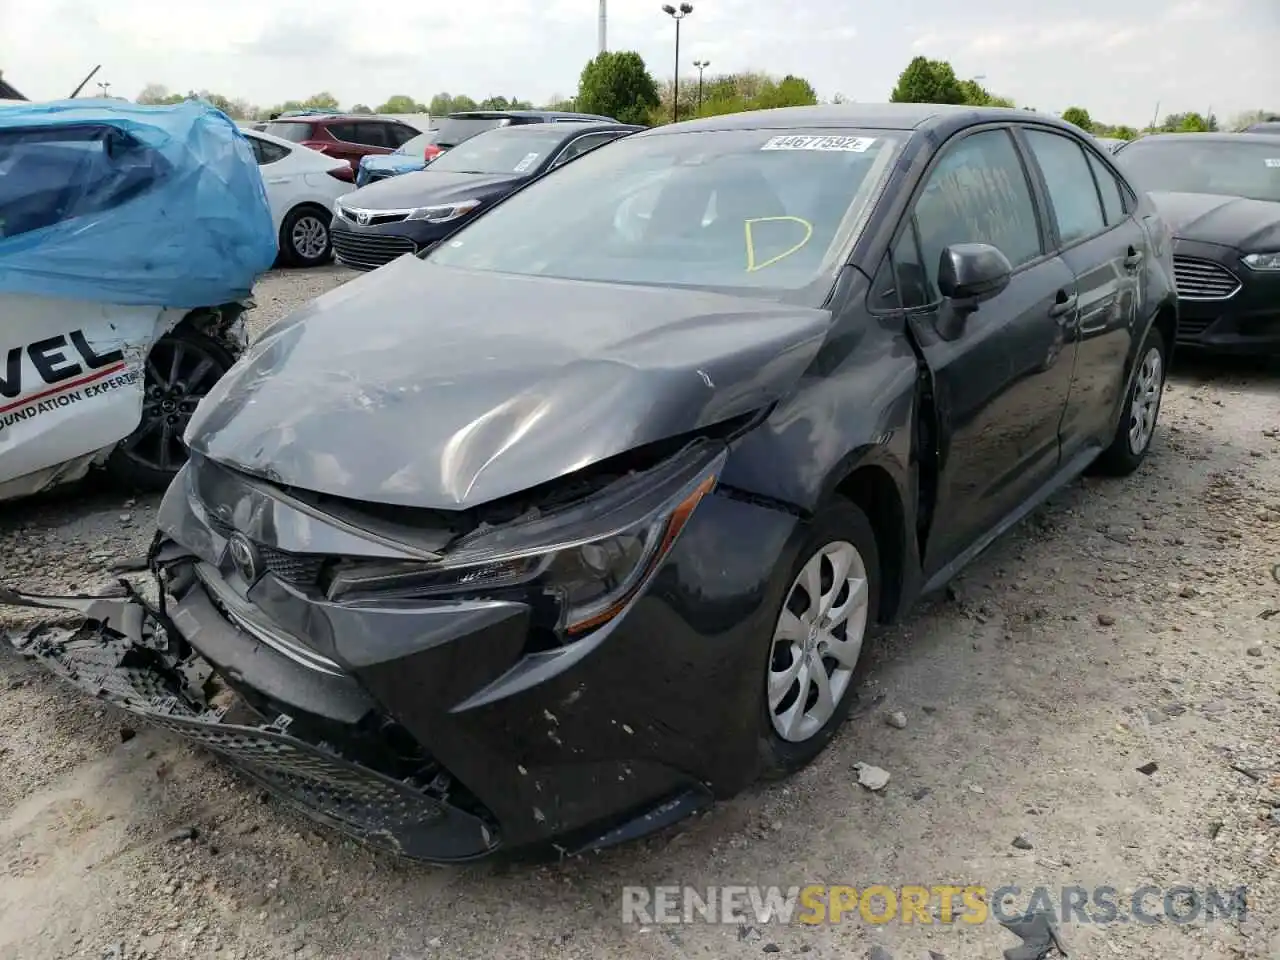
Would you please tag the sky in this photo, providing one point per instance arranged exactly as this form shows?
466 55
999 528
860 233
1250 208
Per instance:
1117 59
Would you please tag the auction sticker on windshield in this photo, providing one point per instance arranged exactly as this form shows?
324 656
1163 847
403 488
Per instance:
526 163
845 144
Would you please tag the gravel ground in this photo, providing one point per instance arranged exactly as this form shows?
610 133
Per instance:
1126 623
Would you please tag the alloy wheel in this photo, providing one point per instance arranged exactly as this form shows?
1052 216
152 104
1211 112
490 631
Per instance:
179 373
1145 403
310 237
817 641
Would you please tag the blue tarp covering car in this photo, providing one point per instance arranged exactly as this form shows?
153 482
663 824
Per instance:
103 200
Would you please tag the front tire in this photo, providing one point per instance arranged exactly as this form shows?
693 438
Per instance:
819 635
181 369
304 237
1141 409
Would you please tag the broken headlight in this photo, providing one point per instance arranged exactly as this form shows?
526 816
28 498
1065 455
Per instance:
591 558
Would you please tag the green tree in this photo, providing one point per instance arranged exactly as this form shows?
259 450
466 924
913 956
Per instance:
562 104
1124 132
928 81
158 93
618 84
401 104
362 108
1080 117
321 101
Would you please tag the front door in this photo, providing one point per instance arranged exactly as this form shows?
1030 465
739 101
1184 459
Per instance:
1002 385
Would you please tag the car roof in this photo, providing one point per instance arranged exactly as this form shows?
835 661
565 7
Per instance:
272 138
940 117
1270 138
338 117
548 130
529 114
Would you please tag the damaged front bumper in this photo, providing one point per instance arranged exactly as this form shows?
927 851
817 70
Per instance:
123 653
434 727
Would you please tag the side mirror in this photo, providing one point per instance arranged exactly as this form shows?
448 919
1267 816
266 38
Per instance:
972 272
968 273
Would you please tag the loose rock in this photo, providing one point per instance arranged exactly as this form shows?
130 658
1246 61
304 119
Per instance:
873 778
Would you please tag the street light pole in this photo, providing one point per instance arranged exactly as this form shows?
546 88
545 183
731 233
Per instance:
701 65
677 15
104 87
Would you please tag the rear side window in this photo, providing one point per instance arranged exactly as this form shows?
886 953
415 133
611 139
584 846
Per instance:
1071 188
583 144
346 132
1109 187
266 152
288 130
978 193
398 134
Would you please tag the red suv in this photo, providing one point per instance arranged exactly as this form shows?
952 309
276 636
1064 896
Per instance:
346 137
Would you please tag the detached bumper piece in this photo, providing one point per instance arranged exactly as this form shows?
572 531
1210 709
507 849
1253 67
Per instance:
121 655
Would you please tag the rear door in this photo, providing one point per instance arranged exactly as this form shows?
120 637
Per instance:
1096 234
1001 386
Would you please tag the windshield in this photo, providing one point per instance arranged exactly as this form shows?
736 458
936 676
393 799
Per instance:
512 150
1237 168
747 211
417 145
454 130
293 132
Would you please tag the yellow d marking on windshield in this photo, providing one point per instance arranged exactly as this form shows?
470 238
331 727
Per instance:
747 225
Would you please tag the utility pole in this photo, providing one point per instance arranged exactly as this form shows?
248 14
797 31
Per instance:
601 34
677 16
701 65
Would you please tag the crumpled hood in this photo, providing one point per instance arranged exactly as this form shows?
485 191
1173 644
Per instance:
424 187
1238 222
433 387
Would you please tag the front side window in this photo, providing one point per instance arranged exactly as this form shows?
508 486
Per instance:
978 193
1203 163
743 211
585 144
1072 192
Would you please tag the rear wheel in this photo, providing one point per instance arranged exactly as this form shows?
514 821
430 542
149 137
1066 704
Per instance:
181 369
304 237
1141 409
818 638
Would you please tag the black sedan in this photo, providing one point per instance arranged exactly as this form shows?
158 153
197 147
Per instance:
602 535
1220 193
413 212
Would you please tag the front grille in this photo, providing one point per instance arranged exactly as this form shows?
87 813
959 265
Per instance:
1198 279
299 569
1190 328
295 568
374 219
367 251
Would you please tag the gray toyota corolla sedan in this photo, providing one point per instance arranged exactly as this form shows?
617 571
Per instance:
583 519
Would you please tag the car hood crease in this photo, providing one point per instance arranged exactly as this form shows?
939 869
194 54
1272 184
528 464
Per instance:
430 387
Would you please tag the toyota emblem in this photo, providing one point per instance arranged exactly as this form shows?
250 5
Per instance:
362 218
244 556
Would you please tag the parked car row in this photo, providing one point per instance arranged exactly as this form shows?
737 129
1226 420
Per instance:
387 219
454 129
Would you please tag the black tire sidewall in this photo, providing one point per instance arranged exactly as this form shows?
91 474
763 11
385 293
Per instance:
1119 459
289 252
839 519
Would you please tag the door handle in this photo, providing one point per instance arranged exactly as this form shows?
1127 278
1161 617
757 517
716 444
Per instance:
1134 259
1065 304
